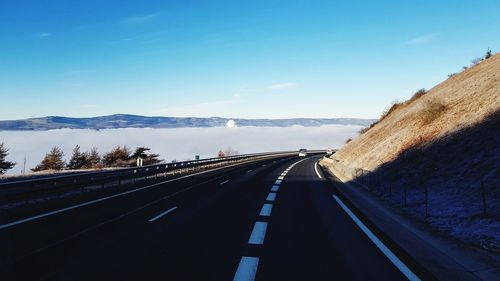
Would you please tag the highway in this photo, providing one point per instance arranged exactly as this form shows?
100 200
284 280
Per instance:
270 220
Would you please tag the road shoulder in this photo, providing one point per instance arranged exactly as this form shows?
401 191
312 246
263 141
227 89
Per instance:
434 254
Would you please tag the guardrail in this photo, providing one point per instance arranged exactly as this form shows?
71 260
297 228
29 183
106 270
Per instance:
25 190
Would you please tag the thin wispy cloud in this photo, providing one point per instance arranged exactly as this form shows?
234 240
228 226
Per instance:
422 40
281 86
44 34
139 20
241 90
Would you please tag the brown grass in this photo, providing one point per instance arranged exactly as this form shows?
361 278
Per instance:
432 110
460 101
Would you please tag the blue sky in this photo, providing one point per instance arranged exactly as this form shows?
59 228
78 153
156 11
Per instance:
250 59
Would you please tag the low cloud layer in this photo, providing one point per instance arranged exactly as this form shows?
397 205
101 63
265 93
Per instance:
180 144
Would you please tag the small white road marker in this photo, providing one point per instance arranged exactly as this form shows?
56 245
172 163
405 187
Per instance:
271 196
258 233
162 214
249 171
275 188
247 269
281 177
386 251
316 169
278 182
266 210
224 182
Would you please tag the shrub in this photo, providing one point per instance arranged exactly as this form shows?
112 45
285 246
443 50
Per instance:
393 107
348 140
365 129
476 61
431 110
452 75
417 95
488 54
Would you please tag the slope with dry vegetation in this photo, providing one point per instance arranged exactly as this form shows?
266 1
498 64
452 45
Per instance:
439 151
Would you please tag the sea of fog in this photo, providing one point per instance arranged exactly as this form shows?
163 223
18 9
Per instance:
178 143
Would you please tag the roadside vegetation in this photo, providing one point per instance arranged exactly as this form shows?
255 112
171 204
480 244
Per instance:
227 152
4 164
120 156
437 156
432 109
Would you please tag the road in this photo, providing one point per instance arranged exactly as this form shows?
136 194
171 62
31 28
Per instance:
272 220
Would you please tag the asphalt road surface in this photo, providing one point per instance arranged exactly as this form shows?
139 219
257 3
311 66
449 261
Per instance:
272 220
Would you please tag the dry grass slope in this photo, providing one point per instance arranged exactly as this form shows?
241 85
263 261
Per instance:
458 102
444 143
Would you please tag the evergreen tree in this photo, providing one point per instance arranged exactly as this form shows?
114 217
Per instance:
117 157
78 160
147 157
4 165
52 161
94 159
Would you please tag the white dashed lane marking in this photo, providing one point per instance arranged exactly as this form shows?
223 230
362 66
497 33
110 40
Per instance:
271 196
258 233
224 182
266 210
247 269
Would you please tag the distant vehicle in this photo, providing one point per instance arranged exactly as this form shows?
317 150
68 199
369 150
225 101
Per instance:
302 152
329 152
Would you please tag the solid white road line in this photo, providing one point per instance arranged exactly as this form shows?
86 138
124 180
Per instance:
316 169
386 251
224 182
275 188
162 214
258 233
99 200
247 269
266 210
271 196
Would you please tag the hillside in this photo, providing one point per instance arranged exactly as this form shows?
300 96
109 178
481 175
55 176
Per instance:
446 143
136 121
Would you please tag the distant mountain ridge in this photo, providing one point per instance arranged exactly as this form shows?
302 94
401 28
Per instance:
117 121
